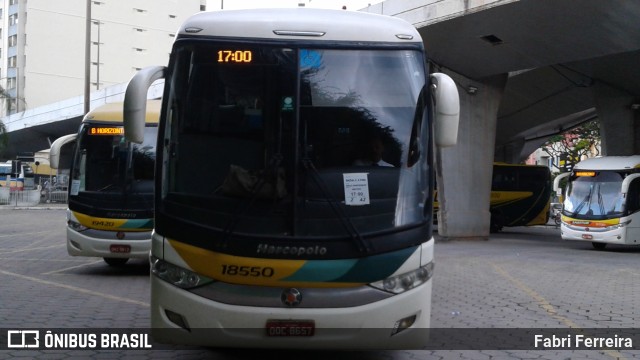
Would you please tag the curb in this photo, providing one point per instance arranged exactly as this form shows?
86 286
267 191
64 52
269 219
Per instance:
9 207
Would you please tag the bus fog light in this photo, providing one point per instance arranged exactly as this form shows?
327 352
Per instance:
176 275
403 324
177 319
407 281
75 245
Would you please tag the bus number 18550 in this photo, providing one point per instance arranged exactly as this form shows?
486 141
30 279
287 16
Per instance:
253 271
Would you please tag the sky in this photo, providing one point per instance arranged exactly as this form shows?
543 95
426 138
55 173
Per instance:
325 4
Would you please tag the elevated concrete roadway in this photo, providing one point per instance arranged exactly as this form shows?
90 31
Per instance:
35 129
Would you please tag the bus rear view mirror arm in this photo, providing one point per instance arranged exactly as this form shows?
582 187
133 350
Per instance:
135 103
56 149
556 183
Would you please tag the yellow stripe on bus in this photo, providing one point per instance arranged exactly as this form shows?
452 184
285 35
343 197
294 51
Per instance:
501 197
246 270
108 224
590 223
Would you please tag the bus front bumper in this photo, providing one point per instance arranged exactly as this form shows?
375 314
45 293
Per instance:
216 324
616 235
105 244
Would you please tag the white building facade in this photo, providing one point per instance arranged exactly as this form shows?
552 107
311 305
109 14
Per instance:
42 45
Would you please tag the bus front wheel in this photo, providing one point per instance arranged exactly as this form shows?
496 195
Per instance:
599 245
116 261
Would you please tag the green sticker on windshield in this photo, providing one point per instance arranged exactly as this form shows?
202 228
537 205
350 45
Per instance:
288 103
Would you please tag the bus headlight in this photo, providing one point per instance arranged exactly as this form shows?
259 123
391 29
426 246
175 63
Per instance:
73 223
620 225
76 225
407 281
177 275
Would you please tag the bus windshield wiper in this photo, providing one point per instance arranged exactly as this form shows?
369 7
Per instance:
271 170
584 201
362 244
106 187
601 203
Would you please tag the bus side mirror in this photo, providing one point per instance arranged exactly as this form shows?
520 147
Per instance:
446 110
135 102
556 183
626 182
56 149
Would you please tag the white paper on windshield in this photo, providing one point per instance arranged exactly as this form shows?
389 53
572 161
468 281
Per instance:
75 187
356 189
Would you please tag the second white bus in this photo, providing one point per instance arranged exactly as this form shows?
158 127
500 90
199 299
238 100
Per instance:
602 202
110 213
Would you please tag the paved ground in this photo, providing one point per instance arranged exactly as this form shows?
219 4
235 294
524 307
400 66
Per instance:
520 279
529 278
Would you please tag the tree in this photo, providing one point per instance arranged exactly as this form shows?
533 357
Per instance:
574 145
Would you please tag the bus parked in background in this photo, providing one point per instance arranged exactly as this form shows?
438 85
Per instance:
110 212
279 239
16 175
520 195
602 202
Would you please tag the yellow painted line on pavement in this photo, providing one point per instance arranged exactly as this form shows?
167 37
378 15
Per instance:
30 249
76 289
71 267
23 233
13 258
546 305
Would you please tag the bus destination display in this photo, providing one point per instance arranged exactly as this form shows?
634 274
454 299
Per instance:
106 130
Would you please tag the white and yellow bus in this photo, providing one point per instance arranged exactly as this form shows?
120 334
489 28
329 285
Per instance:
15 174
602 201
110 212
267 234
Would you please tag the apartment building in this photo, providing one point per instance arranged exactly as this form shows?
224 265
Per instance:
42 45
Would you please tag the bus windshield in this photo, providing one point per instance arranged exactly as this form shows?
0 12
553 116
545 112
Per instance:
100 164
285 141
595 197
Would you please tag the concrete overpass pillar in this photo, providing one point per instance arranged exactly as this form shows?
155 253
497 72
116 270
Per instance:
463 172
617 125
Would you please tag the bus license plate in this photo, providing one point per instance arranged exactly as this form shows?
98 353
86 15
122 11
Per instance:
290 327
120 249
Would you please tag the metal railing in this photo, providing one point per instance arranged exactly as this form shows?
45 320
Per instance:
53 191
46 191
19 198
